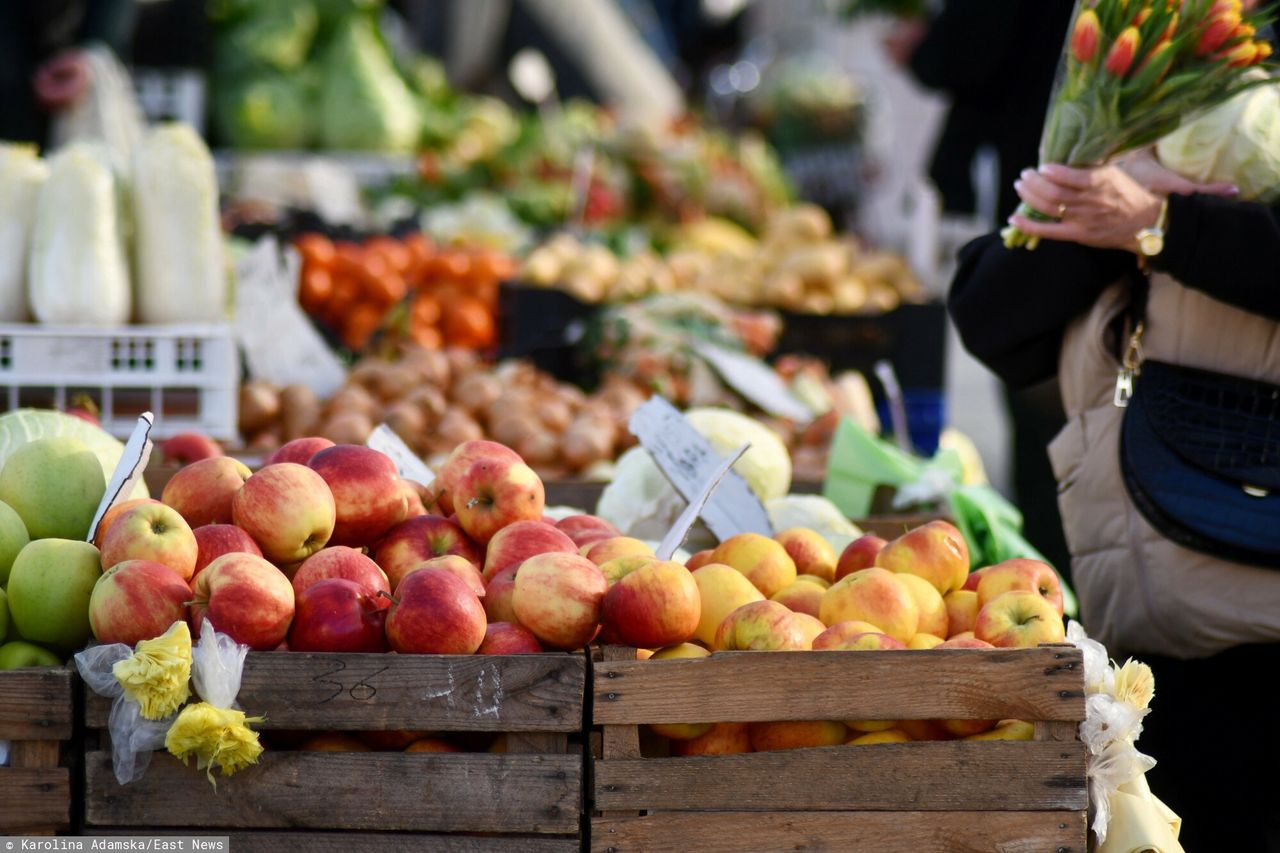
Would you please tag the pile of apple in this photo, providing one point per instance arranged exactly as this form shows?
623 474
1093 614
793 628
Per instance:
792 593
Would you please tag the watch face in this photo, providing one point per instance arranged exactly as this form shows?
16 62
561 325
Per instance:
1151 244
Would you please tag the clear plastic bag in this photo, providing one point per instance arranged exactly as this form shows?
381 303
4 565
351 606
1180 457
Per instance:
133 738
217 664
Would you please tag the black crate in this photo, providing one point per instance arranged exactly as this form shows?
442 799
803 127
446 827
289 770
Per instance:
545 326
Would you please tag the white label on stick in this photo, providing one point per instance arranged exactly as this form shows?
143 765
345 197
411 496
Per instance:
384 440
676 535
279 342
755 381
688 461
137 452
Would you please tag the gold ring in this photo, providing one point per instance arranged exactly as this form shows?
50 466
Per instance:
1062 211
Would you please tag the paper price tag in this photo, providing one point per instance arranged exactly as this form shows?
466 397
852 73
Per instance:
689 461
676 535
755 381
385 441
137 452
279 342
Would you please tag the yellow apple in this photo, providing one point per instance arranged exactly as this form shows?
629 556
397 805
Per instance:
810 551
933 610
800 597
962 611
1008 730
886 736
872 595
763 561
925 641
935 551
1019 619
1031 575
722 590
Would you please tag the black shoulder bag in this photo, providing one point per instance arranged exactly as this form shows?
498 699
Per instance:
1200 453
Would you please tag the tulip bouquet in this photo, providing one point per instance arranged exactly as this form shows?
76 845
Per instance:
1134 70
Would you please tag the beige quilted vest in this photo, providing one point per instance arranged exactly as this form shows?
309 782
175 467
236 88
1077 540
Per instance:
1140 592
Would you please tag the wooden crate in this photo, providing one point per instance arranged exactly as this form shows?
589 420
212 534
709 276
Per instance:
36 717
943 796
529 798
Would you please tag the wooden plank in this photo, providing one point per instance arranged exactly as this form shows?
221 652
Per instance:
1045 683
34 754
32 798
359 692
882 832
422 792
372 842
545 743
35 704
1058 730
939 776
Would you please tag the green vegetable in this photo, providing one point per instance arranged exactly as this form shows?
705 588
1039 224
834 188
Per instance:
272 111
277 34
365 105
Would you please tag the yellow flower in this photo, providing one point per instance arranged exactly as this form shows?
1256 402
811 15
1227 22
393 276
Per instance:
1135 684
217 737
158 673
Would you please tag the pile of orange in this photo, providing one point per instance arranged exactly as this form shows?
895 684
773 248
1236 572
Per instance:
435 296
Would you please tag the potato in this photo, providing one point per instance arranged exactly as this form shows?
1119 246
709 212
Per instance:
407 421
816 302
539 447
783 289
461 361
475 392
554 414
803 222
542 268
259 406
349 427
587 441
850 294
299 411
456 427
882 297
351 399
512 427
431 366
816 265
429 400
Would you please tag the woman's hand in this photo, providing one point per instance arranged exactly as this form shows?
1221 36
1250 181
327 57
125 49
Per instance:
1104 207
1143 166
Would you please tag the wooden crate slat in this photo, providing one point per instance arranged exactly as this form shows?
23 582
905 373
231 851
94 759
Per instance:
35 704
941 776
337 790
372 842
1031 684
356 692
34 797
882 832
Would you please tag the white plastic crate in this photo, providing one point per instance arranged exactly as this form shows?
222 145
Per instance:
188 375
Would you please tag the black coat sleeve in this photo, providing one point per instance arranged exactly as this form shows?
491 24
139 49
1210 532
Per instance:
1011 306
1225 248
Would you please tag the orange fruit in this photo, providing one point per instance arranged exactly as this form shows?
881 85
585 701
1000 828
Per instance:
317 250
468 322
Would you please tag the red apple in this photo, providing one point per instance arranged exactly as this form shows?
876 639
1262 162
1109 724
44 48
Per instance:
454 564
800 597
410 542
964 643
1018 573
337 615
109 517
288 510
761 626
975 578
722 739
300 450
202 491
339 561
584 529
872 595
654 606
459 463
367 492
136 600
603 550
435 613
935 551
499 596
700 559
187 447
508 638
517 542
152 532
810 551
214 540
494 493
559 597
859 554
834 639
1019 619
246 598
413 499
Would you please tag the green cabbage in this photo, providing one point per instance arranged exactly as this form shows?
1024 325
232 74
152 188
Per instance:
1238 142
271 111
277 34
22 426
365 105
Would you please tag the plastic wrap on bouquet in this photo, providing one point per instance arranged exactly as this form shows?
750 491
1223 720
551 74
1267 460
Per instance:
1128 818
146 685
214 731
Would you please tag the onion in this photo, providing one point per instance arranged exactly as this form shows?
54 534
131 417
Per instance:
349 427
351 399
456 427
512 428
554 414
259 406
476 391
587 441
539 447
432 366
300 411
429 400
407 421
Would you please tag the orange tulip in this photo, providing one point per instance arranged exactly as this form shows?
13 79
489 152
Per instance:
1264 50
1242 54
1120 58
1217 31
1085 35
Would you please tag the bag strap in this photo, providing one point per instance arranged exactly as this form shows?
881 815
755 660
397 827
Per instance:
1132 356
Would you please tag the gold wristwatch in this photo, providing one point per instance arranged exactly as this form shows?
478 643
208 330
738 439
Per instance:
1151 240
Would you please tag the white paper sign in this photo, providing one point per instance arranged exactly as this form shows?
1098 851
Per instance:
688 461
755 381
676 535
384 440
137 452
279 342
580 185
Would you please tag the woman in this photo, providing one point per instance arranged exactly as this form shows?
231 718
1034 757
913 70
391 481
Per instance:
1208 627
